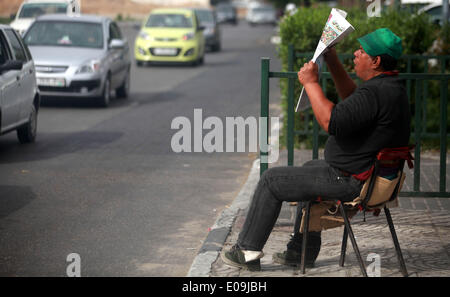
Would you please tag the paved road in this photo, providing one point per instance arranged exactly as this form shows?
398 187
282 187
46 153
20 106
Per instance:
105 183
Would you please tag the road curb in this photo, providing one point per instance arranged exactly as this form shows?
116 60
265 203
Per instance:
215 240
213 244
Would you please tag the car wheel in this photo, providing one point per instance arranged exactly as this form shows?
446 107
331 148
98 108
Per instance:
124 90
201 61
139 63
106 96
27 133
217 47
194 63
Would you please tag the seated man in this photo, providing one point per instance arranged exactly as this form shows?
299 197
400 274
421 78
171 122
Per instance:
373 116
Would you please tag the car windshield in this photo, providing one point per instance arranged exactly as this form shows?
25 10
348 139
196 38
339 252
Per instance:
263 10
3 55
61 33
169 21
33 10
435 11
413 7
225 9
205 16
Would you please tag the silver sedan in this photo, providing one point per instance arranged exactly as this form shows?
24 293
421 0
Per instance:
80 56
19 96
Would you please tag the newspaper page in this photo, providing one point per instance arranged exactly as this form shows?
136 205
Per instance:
336 28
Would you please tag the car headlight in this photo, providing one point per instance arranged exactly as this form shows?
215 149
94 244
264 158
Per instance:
89 67
188 36
209 31
145 36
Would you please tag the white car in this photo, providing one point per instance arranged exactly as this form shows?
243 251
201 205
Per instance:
19 94
31 9
435 11
261 14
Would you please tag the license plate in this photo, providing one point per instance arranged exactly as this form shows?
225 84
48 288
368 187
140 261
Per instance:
165 51
51 82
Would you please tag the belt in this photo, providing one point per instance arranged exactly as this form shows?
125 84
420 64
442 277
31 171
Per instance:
390 163
348 174
344 173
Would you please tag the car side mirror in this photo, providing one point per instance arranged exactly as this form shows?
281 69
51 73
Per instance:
201 28
11 65
116 44
12 17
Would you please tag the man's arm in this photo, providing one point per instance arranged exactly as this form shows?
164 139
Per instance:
322 107
345 86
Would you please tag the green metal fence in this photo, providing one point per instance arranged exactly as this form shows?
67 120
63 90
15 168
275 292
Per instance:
417 82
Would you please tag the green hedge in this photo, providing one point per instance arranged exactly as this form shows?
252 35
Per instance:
4 20
304 29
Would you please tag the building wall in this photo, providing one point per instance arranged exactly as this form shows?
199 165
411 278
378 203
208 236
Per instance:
349 3
112 8
173 2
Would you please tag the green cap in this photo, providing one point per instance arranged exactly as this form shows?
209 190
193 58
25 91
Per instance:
382 41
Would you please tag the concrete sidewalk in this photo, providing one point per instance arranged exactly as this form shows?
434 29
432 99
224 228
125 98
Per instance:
422 225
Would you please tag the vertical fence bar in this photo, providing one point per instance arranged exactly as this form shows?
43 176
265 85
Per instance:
316 127
265 67
443 61
443 128
408 83
290 107
425 97
315 155
417 134
306 130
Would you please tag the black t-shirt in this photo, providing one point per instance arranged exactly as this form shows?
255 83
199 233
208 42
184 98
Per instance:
374 117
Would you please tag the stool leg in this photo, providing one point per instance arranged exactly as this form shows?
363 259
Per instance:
298 217
353 240
343 247
305 237
396 243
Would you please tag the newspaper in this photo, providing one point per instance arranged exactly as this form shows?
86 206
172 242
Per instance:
336 28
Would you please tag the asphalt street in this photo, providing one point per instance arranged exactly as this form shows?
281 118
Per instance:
105 183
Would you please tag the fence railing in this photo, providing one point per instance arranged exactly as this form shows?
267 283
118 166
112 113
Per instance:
415 81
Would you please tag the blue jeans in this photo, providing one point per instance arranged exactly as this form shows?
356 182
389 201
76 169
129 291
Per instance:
308 182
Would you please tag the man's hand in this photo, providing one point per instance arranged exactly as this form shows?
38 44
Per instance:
308 74
330 53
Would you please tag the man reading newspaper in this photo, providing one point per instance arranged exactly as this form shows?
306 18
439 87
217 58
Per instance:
372 116
336 28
